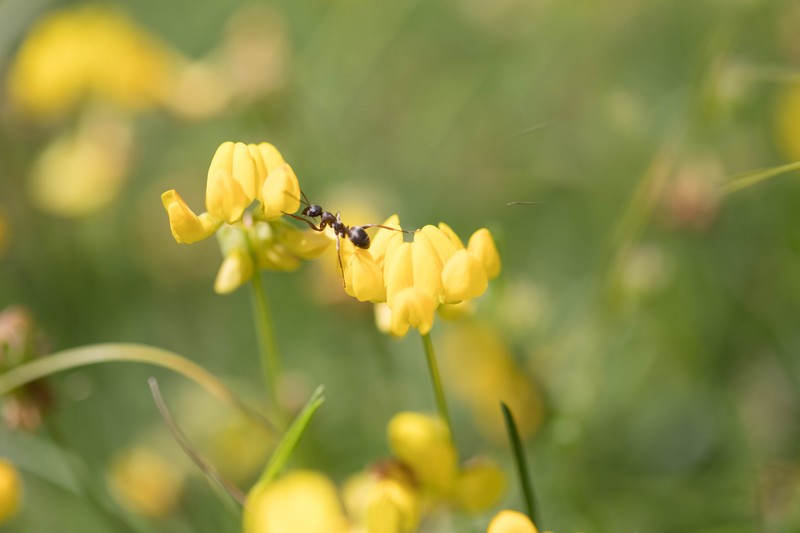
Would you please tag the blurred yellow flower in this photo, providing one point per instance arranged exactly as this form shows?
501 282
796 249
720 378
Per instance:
303 501
89 51
83 171
483 372
10 491
511 522
479 486
787 114
145 482
423 443
4 233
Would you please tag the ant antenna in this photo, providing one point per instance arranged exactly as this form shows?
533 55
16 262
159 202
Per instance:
304 199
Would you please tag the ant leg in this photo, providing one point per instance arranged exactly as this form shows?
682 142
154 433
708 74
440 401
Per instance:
298 217
341 267
367 226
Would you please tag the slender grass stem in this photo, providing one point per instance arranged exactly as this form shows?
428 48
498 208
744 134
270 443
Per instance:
433 369
270 360
522 465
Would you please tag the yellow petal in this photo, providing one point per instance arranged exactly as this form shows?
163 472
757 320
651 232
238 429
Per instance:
427 268
10 490
447 230
226 197
236 269
392 507
301 502
414 308
383 319
233 161
386 239
481 246
363 278
185 225
511 522
399 273
280 193
479 486
423 443
463 277
445 248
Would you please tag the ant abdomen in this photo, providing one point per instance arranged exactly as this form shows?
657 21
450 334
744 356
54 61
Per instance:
358 236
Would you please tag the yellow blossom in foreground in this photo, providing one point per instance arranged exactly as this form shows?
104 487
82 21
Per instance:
392 507
511 522
479 486
10 491
145 482
423 443
88 52
300 502
414 279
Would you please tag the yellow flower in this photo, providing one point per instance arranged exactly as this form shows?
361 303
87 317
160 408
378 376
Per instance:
301 502
280 193
392 507
511 522
89 52
10 491
145 482
479 486
423 443
435 271
231 184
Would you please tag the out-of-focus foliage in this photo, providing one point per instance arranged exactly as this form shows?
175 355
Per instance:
644 324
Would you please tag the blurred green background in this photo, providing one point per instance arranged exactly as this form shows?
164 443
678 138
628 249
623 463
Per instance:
655 314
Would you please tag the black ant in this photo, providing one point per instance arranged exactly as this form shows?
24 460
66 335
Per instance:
357 234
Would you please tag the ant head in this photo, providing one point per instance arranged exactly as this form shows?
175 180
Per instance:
358 236
313 210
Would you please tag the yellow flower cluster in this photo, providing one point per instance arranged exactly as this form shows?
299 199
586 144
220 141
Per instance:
511 522
415 278
390 498
239 175
91 51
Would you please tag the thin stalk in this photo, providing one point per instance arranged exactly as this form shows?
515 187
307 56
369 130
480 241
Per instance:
270 361
522 465
433 369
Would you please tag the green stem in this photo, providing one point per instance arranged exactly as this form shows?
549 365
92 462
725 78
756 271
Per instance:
521 464
270 361
433 368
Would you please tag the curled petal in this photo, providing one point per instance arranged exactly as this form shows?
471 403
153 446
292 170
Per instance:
423 443
463 277
414 308
280 192
186 226
479 486
236 269
481 246
511 522
363 278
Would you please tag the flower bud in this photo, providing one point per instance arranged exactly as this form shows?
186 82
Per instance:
393 507
463 277
481 246
479 486
236 269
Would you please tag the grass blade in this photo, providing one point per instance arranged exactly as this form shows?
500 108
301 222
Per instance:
522 465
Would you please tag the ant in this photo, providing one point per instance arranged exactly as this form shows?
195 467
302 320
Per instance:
357 234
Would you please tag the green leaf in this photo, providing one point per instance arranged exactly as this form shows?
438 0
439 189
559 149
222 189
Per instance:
522 464
748 179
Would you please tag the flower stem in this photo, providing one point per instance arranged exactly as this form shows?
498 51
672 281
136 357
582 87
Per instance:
433 368
270 361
